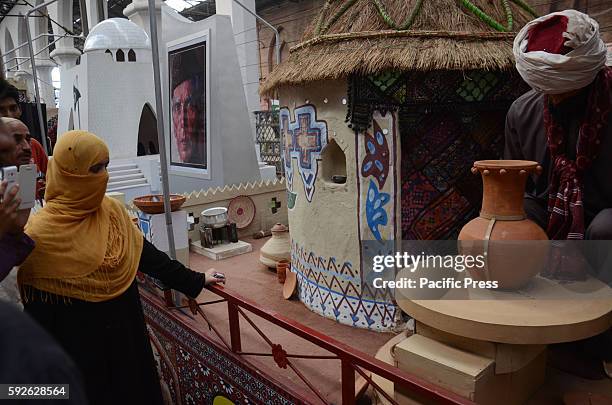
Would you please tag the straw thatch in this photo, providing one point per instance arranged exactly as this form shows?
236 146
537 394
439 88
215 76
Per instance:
444 35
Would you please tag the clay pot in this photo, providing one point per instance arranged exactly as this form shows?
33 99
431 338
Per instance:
502 226
282 267
154 203
277 248
290 286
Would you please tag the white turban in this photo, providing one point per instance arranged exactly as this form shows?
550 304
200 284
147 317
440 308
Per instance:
553 73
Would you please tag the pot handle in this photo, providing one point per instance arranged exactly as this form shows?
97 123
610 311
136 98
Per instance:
487 238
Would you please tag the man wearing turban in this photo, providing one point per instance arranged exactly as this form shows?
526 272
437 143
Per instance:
564 123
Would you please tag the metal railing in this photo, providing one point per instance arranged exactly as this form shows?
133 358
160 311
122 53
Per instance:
351 360
268 138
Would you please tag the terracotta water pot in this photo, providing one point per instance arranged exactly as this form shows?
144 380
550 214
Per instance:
500 232
277 248
282 267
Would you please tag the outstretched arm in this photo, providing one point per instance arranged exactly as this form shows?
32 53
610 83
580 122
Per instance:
172 273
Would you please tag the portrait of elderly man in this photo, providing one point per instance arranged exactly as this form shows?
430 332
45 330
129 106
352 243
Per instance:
188 107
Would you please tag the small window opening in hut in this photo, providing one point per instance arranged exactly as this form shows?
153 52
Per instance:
108 51
120 56
131 56
334 163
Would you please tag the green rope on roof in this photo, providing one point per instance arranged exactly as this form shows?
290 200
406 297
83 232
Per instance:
526 7
322 17
347 4
509 16
389 21
484 17
322 27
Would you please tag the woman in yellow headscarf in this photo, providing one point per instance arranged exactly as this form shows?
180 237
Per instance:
79 282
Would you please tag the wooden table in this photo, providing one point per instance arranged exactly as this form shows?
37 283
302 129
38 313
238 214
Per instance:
545 313
510 328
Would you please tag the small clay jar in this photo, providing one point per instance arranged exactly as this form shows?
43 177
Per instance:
514 248
277 248
282 267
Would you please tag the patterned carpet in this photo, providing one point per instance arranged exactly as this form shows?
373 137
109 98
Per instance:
196 370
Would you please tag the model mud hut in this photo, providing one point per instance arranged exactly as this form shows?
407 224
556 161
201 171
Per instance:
385 105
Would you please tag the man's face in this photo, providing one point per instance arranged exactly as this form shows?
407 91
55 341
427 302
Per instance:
10 108
186 118
20 133
8 149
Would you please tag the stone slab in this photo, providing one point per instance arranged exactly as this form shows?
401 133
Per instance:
221 252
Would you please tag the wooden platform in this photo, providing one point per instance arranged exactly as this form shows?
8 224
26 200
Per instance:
555 387
517 318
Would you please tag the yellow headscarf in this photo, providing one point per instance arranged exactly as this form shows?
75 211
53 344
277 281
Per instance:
86 245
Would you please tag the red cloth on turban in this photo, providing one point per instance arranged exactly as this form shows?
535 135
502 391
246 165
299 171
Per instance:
547 36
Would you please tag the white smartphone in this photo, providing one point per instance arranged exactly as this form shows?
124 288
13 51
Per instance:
8 174
27 185
25 177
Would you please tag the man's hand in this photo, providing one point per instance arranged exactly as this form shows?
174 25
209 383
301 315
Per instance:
212 276
12 220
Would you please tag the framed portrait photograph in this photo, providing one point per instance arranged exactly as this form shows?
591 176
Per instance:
188 68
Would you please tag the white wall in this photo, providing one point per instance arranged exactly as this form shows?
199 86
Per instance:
244 26
117 93
112 97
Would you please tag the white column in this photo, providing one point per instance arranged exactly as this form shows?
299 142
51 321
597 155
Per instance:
65 53
24 75
61 12
65 57
247 46
96 11
45 83
138 12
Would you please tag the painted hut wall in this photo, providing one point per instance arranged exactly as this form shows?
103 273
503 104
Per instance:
327 221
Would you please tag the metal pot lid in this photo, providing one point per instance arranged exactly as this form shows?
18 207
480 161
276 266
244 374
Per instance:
211 212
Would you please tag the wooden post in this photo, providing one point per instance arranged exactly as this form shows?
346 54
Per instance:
234 325
348 383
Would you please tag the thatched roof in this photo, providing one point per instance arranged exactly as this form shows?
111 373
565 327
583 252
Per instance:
369 37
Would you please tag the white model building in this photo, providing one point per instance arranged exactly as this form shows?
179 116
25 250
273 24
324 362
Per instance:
111 87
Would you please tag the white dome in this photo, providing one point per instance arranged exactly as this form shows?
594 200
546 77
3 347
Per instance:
116 33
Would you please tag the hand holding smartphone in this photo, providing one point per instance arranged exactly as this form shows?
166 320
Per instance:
214 277
25 177
12 220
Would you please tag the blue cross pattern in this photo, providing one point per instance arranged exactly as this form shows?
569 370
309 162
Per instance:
303 139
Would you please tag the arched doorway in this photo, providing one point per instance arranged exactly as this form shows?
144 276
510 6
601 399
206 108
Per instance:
147 131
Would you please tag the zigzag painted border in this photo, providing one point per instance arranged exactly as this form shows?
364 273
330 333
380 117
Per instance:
345 309
230 191
336 295
227 192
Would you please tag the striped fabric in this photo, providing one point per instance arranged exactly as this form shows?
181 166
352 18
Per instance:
565 200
